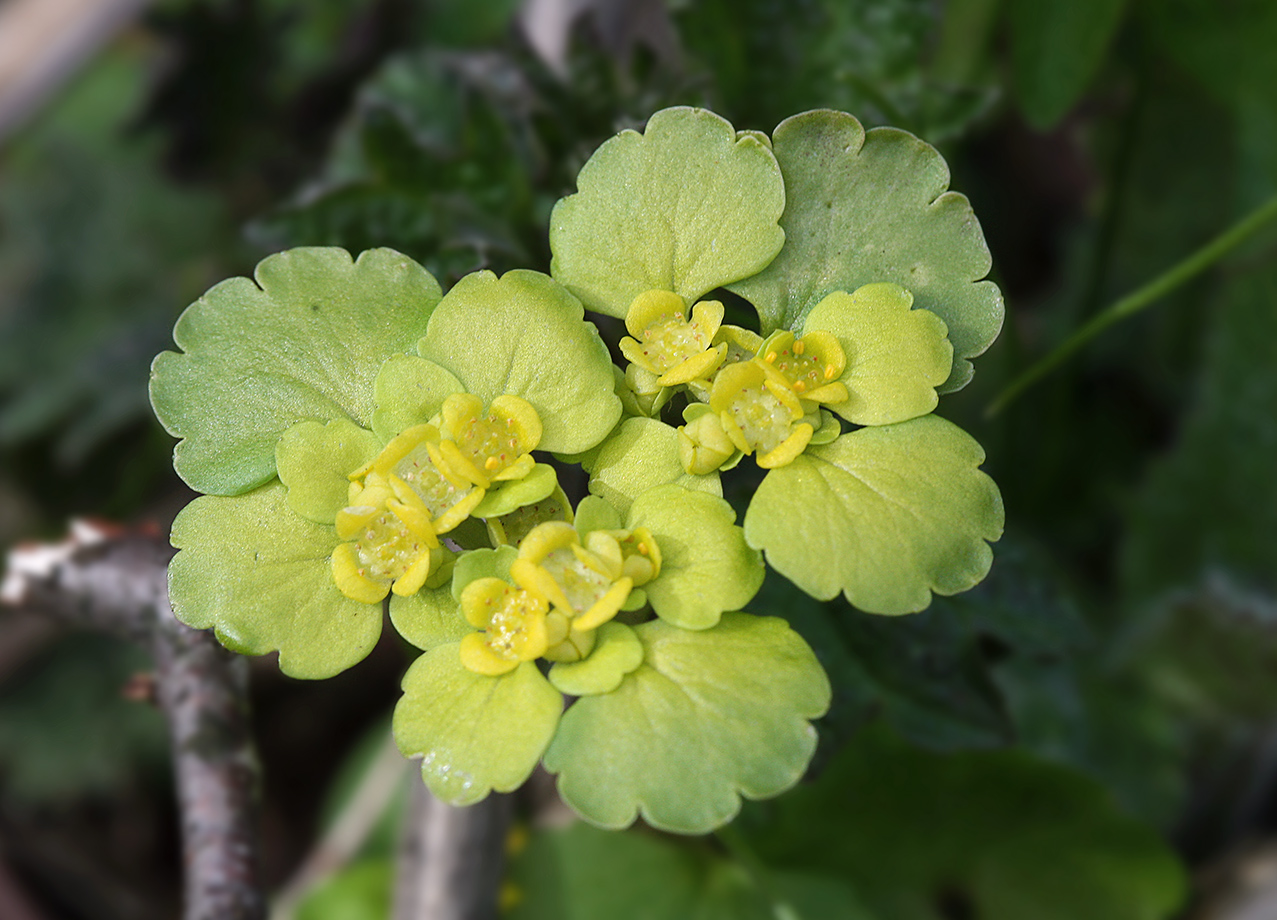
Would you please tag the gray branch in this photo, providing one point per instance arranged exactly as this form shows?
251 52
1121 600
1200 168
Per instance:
451 859
118 583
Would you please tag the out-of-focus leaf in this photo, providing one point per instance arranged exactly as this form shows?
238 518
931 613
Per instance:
777 57
1209 506
998 835
1056 50
360 891
67 730
581 873
100 251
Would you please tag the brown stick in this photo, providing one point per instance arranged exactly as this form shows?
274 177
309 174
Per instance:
118 583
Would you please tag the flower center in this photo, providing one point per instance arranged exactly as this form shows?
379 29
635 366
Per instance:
763 419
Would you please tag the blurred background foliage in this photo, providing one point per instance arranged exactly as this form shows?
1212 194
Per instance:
1091 733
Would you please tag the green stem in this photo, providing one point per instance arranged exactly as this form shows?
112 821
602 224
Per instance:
1132 303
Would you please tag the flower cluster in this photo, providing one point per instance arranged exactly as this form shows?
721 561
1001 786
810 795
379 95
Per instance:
364 441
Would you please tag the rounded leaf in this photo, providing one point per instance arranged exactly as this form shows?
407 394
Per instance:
474 733
429 618
896 356
409 391
708 717
706 565
315 462
861 208
641 455
305 342
524 335
886 515
616 653
687 206
261 577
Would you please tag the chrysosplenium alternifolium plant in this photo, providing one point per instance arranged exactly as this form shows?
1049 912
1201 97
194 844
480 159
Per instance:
361 436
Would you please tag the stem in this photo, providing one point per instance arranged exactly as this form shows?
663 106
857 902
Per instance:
118 583
451 859
1136 301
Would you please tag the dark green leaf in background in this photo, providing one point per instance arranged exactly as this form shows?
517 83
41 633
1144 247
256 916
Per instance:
1057 48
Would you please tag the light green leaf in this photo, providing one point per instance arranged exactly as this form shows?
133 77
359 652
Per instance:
524 335
429 618
642 455
509 496
594 513
481 563
708 717
474 733
896 356
617 652
687 206
873 207
260 575
305 344
1056 51
409 391
315 462
886 515
513 527
706 566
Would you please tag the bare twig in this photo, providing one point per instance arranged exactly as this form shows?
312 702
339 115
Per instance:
116 582
451 859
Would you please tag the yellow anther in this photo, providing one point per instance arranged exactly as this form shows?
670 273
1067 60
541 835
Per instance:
799 386
643 548
771 357
799 348
492 463
831 372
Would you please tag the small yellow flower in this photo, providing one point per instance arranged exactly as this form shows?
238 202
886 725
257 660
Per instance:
588 584
760 414
514 623
669 344
393 545
809 366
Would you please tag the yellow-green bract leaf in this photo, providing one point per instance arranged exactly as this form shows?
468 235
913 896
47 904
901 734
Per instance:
687 206
315 462
510 496
474 733
261 576
641 455
524 335
429 618
304 342
872 207
617 652
409 391
594 513
481 563
709 716
896 356
886 515
706 566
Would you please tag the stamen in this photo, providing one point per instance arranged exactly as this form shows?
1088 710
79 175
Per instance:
771 357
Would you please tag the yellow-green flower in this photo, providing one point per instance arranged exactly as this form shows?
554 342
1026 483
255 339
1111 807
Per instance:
514 623
668 343
425 482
